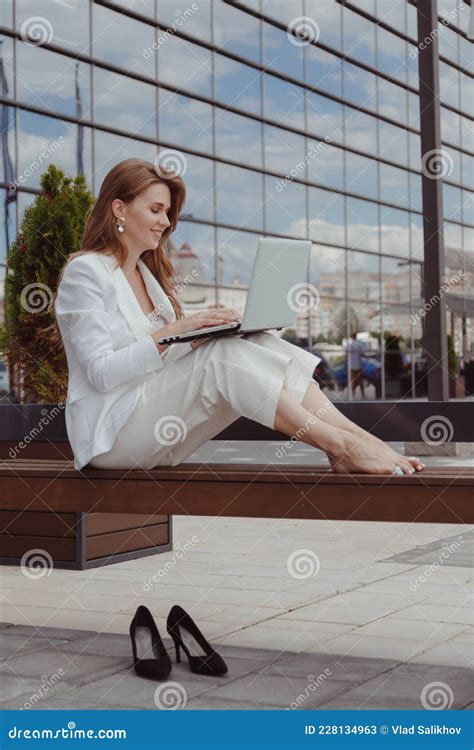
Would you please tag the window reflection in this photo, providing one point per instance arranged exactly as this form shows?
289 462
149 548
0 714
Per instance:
361 175
391 55
44 140
396 285
7 153
238 138
360 130
283 12
236 31
326 166
453 203
276 53
283 102
192 252
328 16
110 92
185 65
199 181
363 276
324 117
416 236
144 7
323 70
68 21
111 149
285 210
326 216
449 87
393 185
393 101
49 80
235 257
112 32
184 121
362 224
359 37
394 231
177 17
359 85
237 84
239 196
6 58
393 143
284 151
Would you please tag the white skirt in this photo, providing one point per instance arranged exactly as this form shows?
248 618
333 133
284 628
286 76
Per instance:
198 395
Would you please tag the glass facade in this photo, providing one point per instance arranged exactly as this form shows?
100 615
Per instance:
312 137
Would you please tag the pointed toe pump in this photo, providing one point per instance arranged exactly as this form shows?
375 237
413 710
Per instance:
150 657
187 636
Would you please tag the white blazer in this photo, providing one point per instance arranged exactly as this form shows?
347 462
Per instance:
110 352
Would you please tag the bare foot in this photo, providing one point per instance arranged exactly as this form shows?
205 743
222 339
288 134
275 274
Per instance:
368 456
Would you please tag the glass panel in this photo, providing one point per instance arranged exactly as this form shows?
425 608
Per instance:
416 200
43 140
391 55
184 121
185 65
393 185
46 79
323 70
359 37
413 110
283 102
326 216
327 14
362 224
361 175
112 32
324 117
239 196
284 151
467 171
7 153
452 235
416 236
199 181
396 283
468 207
467 103
414 143
327 270
111 90
360 130
111 149
393 14
448 42
193 256
467 134
452 203
450 127
235 257
363 276
393 143
236 31
144 7
285 12
325 165
452 159
285 210
395 232
195 22
449 84
393 101
238 138
278 54
61 22
6 55
237 84
359 85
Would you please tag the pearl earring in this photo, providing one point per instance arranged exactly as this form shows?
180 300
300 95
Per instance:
120 224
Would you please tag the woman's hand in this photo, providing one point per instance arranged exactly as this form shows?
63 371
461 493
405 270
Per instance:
204 319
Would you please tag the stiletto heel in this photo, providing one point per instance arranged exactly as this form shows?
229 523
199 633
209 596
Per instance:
210 663
150 657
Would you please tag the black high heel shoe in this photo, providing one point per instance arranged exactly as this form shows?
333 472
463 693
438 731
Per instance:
210 663
150 657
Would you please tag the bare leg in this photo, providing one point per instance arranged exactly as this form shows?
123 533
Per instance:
346 451
316 402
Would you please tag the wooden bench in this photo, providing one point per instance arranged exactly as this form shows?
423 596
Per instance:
40 479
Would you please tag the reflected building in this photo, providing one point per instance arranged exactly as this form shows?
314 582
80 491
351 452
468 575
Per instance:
315 137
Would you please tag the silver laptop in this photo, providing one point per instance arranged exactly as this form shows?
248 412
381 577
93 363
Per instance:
279 270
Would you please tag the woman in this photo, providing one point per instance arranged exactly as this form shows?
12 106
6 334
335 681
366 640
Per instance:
133 402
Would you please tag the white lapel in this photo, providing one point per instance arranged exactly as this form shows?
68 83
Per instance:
128 303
